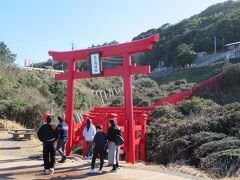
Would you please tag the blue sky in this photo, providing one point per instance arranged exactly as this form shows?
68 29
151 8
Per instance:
32 27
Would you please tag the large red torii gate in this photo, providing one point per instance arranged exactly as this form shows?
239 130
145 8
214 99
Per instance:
126 71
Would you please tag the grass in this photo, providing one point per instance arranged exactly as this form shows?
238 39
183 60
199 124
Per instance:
191 75
10 124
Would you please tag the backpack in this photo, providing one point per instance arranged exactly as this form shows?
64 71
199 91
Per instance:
119 137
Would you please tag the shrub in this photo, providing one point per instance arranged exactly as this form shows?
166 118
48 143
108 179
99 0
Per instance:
141 101
117 102
181 81
231 77
214 119
179 136
168 111
22 111
145 82
58 89
29 79
223 163
229 87
215 146
85 101
182 148
195 105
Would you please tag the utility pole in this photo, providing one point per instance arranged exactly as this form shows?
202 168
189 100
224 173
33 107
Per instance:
52 64
215 44
72 46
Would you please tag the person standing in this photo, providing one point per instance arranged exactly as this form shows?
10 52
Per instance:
89 133
62 140
100 141
48 135
113 147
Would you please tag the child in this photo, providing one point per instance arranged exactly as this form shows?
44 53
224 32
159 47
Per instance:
100 141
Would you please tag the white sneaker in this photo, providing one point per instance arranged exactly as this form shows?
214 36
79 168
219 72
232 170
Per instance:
46 171
99 172
51 171
91 171
89 157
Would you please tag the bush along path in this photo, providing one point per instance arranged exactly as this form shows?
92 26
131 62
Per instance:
200 132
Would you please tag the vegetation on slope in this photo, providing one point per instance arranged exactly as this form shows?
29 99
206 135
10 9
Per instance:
228 92
26 95
195 34
191 75
201 132
149 89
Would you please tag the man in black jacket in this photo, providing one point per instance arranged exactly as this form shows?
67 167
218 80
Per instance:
100 140
48 136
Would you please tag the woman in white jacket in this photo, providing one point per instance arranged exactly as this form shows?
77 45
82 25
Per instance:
89 133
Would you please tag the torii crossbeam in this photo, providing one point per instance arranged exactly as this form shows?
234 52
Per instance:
126 71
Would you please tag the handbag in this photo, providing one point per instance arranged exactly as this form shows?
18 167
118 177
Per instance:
119 137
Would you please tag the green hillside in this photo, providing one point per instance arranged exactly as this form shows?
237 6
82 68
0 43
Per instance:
203 132
26 95
229 87
194 34
191 75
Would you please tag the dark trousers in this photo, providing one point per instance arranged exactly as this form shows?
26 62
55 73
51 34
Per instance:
61 144
100 153
49 155
90 148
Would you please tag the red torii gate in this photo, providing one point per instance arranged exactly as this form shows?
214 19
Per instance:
126 71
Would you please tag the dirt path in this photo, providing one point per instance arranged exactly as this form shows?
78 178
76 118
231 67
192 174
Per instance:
16 164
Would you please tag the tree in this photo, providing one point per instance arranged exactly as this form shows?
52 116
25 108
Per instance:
185 55
5 54
105 44
83 65
221 20
165 26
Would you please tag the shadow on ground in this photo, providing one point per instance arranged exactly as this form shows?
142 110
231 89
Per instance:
35 170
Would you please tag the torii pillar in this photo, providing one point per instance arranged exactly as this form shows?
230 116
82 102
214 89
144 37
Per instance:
126 71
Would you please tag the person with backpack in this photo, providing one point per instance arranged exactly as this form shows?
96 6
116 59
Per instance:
115 139
100 141
89 133
48 135
62 140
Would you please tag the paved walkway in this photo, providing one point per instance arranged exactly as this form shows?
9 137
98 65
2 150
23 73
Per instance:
16 164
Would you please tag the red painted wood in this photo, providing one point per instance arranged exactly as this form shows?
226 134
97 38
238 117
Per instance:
141 45
106 73
126 71
70 106
128 103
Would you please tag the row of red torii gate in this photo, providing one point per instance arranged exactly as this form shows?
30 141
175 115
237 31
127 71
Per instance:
132 120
